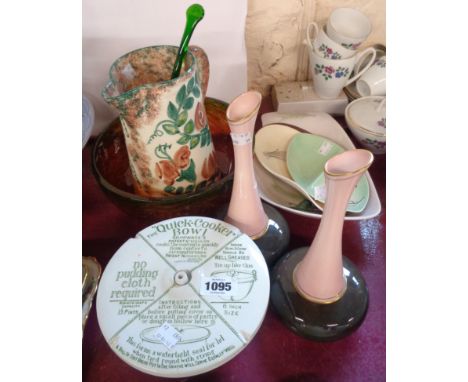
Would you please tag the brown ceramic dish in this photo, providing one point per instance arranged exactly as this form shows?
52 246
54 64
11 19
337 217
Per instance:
112 171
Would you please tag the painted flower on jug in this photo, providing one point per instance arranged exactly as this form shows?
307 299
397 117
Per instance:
167 171
328 52
328 72
182 157
200 116
177 168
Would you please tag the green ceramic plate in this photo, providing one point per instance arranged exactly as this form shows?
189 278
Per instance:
306 156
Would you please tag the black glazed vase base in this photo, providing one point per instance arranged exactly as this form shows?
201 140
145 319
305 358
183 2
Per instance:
320 322
274 242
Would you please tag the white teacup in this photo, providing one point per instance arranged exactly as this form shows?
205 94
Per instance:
331 76
373 81
324 45
348 27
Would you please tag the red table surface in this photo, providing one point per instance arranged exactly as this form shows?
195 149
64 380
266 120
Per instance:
276 353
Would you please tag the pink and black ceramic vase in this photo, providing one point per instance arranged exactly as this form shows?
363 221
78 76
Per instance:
319 293
264 224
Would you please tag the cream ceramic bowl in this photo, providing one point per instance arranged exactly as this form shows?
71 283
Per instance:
366 118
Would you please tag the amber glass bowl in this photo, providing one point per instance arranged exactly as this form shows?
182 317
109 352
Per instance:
112 171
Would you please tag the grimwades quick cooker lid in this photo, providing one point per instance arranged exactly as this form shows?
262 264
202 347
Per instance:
183 297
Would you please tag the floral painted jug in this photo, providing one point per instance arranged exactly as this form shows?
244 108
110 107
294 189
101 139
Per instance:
164 121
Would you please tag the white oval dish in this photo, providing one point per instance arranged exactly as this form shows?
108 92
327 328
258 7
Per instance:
316 123
271 143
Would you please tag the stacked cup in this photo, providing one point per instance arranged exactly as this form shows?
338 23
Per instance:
373 81
333 51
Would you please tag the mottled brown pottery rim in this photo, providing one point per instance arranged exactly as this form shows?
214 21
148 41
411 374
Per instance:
184 74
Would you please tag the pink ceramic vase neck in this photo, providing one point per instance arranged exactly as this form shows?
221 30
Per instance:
245 208
319 276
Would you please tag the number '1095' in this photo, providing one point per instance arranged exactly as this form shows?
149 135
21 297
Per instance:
218 285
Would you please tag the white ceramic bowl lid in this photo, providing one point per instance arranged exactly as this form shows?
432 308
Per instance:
369 113
183 297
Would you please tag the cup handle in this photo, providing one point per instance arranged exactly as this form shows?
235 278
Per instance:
203 67
315 27
361 56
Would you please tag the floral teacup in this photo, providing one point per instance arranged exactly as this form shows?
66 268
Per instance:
324 45
164 120
348 27
373 82
331 76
